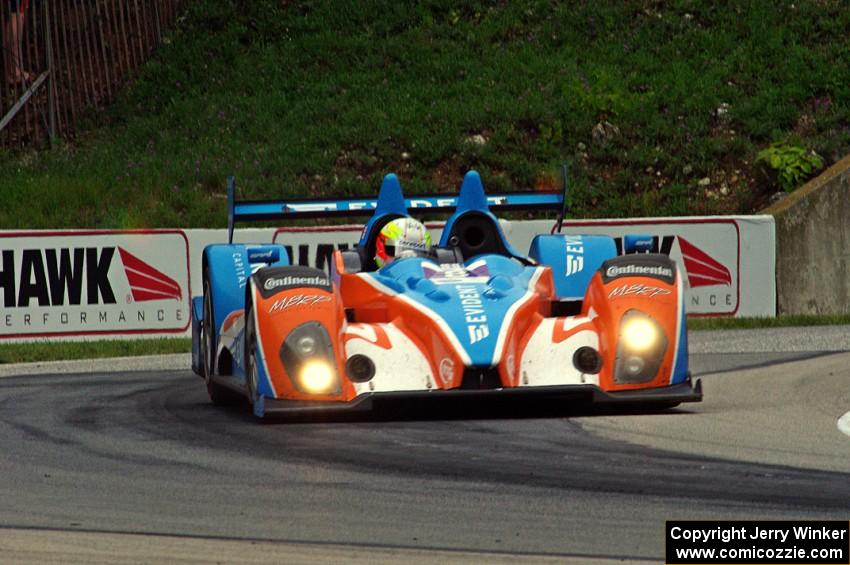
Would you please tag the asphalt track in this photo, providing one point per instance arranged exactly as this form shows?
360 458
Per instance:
136 466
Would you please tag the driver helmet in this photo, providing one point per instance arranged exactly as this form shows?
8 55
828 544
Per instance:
402 237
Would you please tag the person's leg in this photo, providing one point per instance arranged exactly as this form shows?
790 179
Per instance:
12 44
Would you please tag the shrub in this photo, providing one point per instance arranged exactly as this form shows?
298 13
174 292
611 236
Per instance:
793 164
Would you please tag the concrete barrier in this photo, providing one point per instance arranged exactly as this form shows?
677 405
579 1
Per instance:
813 245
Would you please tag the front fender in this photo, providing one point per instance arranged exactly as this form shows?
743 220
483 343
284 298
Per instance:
228 267
643 287
288 300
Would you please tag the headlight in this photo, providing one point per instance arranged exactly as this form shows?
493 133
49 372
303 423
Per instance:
640 350
306 345
639 333
317 377
634 365
308 357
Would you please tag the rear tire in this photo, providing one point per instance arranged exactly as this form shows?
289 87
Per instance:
219 395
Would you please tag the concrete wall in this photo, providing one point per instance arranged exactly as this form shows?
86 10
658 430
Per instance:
813 245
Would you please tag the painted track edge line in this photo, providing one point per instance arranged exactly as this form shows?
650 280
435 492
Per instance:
844 424
330 544
165 362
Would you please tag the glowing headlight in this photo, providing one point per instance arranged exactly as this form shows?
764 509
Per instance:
639 334
308 358
641 349
317 377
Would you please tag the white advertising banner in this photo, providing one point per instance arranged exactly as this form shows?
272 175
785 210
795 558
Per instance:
113 284
89 284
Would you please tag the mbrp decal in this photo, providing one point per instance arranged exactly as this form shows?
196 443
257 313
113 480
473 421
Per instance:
297 300
638 289
274 280
639 265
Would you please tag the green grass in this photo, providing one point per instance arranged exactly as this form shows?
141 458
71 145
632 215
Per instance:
43 351
323 98
54 351
756 323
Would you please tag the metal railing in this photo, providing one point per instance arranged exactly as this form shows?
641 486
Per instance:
68 56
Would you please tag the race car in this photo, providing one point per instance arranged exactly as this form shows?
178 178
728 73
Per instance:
468 318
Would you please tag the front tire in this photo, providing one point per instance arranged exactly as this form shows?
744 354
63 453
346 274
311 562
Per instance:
219 395
252 372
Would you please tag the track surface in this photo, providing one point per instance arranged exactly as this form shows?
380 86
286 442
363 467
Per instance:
90 458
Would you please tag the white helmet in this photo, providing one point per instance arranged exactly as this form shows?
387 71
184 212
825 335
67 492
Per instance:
402 237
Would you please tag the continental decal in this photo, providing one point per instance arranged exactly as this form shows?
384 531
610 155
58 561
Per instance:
639 265
273 280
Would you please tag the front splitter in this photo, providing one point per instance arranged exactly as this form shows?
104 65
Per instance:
688 391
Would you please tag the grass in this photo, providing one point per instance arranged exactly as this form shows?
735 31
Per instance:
43 351
758 323
323 98
54 351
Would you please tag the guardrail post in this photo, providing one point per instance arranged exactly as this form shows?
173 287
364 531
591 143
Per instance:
51 78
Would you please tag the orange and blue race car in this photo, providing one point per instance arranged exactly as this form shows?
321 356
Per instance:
468 318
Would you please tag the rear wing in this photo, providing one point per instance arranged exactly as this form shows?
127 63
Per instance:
265 210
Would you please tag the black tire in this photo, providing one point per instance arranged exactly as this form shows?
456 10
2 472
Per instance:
219 395
255 403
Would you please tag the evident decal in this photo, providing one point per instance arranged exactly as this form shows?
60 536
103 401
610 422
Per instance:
89 283
575 254
473 312
415 202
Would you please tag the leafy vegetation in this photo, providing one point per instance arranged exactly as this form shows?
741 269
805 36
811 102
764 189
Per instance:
792 163
661 108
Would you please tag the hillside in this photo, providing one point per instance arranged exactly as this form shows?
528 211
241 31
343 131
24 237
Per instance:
660 108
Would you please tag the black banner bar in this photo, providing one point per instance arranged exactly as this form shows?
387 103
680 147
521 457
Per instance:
804 542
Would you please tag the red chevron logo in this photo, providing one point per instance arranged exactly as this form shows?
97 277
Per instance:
703 270
147 283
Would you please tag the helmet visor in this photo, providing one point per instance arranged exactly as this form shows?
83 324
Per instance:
405 248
